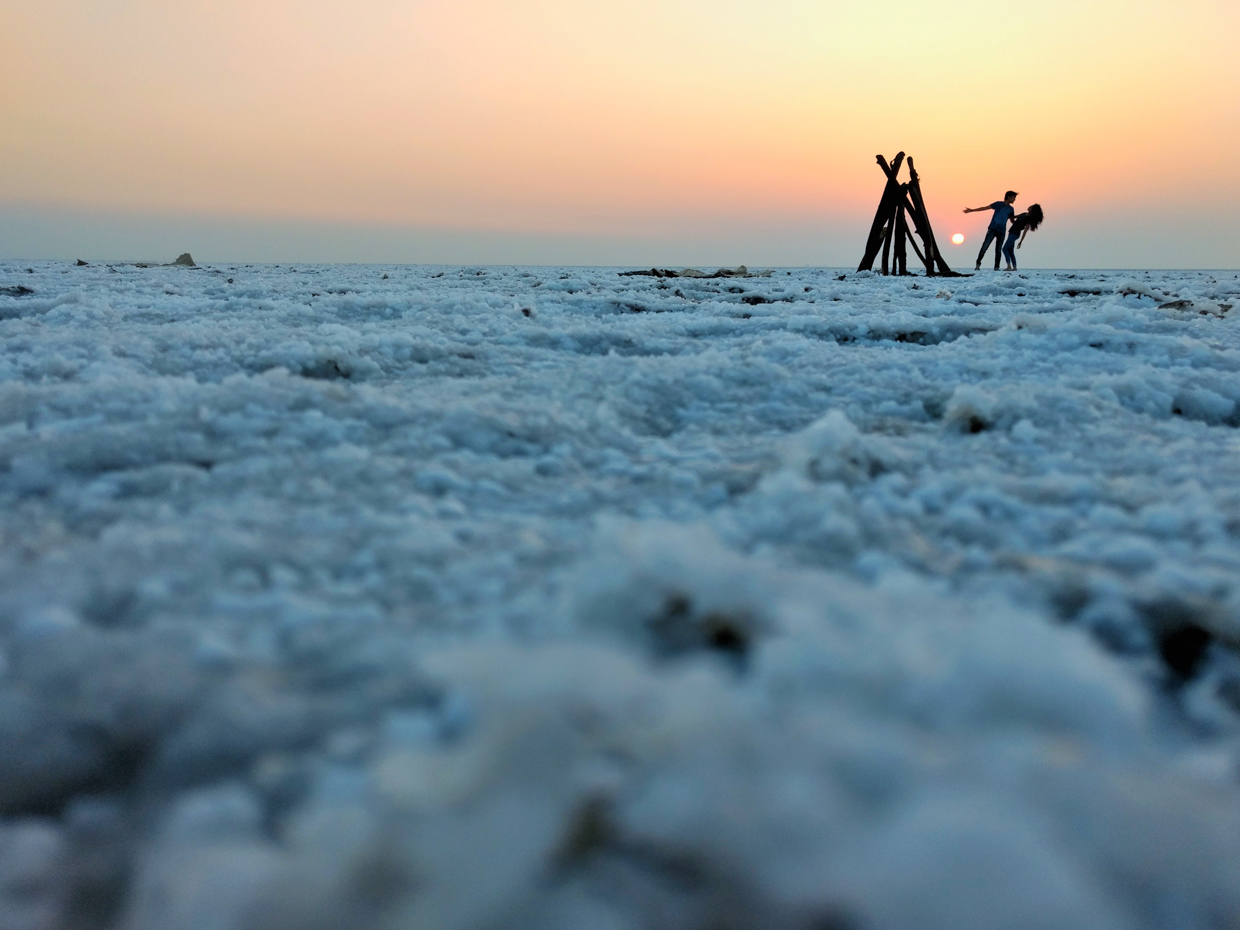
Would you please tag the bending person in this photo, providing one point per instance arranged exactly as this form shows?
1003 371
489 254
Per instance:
1004 211
1024 224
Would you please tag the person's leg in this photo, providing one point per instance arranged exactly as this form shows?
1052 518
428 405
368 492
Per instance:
990 234
1009 252
998 247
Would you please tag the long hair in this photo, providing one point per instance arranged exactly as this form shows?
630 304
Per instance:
1035 216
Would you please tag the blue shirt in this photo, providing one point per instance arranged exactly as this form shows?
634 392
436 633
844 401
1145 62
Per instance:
1004 211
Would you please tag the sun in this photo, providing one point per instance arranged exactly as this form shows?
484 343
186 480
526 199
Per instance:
958 238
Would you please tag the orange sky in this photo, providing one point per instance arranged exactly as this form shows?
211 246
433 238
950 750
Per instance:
548 117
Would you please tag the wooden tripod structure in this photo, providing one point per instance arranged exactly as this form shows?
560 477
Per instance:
890 230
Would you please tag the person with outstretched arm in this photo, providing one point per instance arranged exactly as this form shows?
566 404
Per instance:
1004 211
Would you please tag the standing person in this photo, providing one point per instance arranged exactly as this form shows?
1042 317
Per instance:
1004 211
1024 224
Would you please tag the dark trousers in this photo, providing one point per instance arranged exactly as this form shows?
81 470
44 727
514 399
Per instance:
1009 249
995 236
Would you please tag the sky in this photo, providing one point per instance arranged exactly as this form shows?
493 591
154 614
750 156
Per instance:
635 133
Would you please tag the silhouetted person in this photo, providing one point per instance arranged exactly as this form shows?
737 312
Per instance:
1004 211
1024 224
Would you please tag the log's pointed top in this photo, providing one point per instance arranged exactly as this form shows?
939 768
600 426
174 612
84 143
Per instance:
894 168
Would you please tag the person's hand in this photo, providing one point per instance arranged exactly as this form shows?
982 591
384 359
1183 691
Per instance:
968 209
1019 244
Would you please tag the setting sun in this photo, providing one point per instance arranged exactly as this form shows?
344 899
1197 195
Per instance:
957 238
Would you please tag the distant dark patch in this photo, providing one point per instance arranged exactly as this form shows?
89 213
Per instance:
116 764
384 278
841 277
977 424
833 918
525 311
324 370
1187 305
726 636
739 272
911 337
1184 649
755 300
652 273
1229 691
1077 291
82 264
679 630
112 610
17 290
591 828
1180 627
98 871
1069 597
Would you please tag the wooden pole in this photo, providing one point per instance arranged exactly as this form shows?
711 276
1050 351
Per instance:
927 234
920 224
884 213
890 230
901 255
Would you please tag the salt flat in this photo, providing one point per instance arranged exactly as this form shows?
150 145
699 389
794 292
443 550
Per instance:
362 596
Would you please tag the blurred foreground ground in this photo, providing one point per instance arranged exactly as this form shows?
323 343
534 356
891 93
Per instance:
389 597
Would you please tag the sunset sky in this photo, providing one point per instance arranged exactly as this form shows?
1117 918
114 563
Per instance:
546 131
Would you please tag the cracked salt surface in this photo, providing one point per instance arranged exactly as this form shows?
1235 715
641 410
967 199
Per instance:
378 597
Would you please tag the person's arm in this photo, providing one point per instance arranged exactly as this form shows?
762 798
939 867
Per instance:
978 209
1022 237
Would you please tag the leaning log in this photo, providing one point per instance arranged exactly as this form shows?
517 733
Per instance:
883 216
927 235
